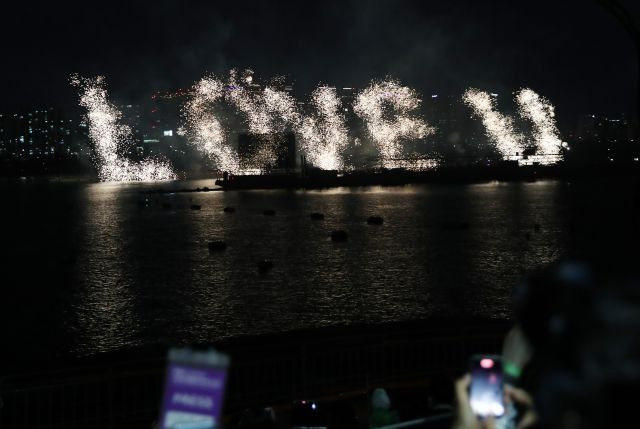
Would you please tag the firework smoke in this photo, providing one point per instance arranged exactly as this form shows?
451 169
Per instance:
540 111
324 135
108 135
500 128
375 105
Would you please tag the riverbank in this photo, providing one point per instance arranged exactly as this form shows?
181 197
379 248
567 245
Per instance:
398 177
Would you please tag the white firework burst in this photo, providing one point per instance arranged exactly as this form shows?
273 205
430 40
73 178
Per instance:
540 111
269 113
324 136
500 128
202 127
389 130
108 135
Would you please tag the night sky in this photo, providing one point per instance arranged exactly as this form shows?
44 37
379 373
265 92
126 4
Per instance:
571 51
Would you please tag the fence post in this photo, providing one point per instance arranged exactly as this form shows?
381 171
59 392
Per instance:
1 404
110 395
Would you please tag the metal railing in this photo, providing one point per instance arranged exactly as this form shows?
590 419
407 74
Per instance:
128 394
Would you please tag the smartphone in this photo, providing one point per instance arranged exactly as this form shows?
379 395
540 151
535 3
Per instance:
194 389
486 391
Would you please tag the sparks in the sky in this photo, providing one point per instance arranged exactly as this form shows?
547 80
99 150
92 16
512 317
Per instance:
386 107
500 128
108 136
269 112
202 127
541 113
323 134
502 132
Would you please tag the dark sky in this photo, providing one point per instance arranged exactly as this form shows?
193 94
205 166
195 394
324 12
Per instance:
571 51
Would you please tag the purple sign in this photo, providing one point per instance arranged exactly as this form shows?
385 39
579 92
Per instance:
193 396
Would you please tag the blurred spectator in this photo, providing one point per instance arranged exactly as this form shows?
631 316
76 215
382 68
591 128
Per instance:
516 353
583 327
381 413
587 369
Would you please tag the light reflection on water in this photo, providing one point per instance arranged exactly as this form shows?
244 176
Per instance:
106 318
131 274
145 273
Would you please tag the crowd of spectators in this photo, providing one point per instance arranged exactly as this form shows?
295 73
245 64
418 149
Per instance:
571 360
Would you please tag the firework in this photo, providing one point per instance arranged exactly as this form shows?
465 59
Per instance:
269 112
249 103
376 104
108 135
540 111
387 108
202 127
500 128
281 108
324 135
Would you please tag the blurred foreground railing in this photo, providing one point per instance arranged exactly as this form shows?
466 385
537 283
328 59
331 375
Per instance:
269 370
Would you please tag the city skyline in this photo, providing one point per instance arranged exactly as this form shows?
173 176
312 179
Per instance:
458 136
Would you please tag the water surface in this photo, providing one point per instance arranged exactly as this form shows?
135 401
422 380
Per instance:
91 268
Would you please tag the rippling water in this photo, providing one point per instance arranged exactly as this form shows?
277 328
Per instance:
91 269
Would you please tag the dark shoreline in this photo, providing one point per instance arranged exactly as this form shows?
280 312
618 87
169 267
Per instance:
443 176
502 172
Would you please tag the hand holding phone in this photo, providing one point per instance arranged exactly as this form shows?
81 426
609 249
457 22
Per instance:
486 394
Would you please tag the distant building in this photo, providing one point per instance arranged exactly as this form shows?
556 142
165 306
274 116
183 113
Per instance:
603 138
42 133
154 126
